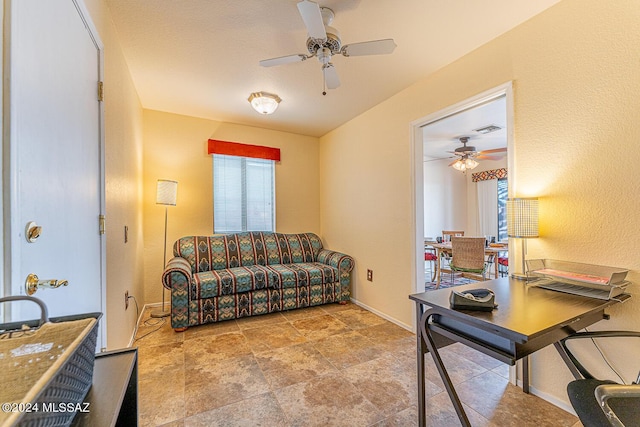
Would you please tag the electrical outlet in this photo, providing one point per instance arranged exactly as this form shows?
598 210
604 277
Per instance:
126 300
370 275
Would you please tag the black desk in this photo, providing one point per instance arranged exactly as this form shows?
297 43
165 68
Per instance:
113 397
527 319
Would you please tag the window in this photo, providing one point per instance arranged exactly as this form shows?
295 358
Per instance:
502 209
243 194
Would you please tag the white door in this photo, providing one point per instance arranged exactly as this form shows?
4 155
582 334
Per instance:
55 156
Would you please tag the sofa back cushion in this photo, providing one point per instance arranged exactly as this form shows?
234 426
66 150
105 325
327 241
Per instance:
206 253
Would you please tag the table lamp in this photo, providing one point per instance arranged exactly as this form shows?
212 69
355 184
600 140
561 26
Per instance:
522 223
166 194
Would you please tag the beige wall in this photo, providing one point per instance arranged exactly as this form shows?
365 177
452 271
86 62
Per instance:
175 148
577 96
442 211
123 173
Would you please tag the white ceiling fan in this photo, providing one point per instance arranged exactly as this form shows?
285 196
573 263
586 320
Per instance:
324 42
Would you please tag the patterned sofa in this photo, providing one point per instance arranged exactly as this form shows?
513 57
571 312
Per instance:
222 277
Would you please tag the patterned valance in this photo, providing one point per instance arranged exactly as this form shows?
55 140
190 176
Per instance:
488 175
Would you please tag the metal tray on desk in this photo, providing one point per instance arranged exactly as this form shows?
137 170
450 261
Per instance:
594 281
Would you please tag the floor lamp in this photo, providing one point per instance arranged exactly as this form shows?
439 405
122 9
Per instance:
166 194
522 223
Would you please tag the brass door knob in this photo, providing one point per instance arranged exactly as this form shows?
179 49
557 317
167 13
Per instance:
32 284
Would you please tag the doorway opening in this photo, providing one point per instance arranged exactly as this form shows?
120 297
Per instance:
443 198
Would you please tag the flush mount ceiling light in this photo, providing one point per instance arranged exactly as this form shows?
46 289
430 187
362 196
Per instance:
263 102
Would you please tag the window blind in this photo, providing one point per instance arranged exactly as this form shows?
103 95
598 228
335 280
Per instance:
243 194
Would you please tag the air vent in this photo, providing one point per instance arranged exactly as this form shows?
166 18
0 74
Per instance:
487 129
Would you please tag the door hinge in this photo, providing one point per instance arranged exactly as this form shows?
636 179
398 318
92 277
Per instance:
101 224
100 91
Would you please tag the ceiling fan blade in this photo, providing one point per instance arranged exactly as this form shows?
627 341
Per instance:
374 47
312 17
331 76
494 150
282 60
483 157
438 159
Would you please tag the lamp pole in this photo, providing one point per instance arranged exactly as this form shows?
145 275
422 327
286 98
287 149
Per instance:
167 192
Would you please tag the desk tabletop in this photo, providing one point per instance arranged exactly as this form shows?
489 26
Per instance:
524 312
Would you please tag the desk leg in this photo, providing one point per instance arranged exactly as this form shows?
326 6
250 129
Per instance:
421 349
444 375
525 374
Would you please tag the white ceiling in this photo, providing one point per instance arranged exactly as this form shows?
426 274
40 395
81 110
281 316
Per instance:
200 57
443 136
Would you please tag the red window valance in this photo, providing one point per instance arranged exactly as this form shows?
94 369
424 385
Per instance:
243 150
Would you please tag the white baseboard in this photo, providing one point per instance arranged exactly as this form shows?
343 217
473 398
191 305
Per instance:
153 304
550 398
135 329
383 315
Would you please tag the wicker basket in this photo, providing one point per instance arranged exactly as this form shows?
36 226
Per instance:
48 367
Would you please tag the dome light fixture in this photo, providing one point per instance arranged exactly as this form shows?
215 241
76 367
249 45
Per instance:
264 102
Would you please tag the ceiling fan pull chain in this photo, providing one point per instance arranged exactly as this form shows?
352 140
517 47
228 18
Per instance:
324 83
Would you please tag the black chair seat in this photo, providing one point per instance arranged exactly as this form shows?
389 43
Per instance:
583 400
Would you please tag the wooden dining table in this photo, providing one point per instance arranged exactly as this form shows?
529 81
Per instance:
445 247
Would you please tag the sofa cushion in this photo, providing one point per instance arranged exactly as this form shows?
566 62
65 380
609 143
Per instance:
291 248
219 252
303 274
230 281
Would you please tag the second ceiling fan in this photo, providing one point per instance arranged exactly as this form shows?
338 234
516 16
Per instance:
466 155
324 42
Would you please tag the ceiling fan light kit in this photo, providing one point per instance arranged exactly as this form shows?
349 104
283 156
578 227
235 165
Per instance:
467 155
264 102
464 165
324 41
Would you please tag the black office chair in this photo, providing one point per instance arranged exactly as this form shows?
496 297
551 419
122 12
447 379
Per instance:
602 403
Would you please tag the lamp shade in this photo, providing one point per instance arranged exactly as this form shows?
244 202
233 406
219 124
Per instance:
264 103
167 192
522 217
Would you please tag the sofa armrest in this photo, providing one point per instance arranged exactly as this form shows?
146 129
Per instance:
177 278
176 267
338 260
344 264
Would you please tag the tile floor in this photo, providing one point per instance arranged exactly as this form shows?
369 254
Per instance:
333 365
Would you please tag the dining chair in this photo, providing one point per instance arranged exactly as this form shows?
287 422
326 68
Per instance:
467 256
448 234
601 402
503 266
431 258
446 237
488 261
